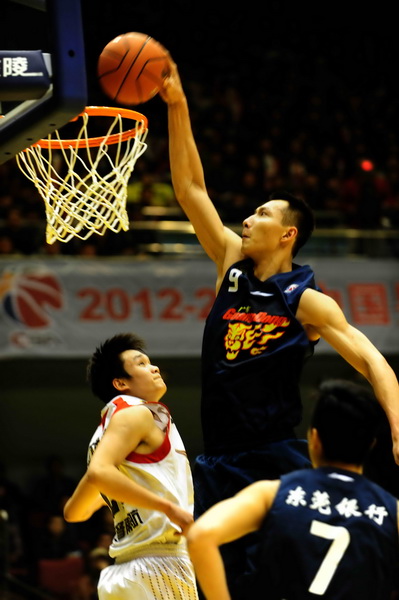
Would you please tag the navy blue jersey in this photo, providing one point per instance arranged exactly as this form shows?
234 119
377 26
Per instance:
330 534
253 353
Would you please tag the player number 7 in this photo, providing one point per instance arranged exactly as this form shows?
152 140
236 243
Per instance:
340 541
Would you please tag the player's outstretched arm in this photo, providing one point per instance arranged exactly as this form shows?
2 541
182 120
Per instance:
223 523
188 177
325 317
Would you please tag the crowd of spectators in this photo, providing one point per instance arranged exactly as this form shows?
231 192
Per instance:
32 529
282 126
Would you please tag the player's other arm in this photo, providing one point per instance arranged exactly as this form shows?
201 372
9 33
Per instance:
223 523
322 314
84 502
127 430
219 242
102 475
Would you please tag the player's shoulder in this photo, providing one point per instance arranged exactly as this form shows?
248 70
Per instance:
315 300
132 415
311 295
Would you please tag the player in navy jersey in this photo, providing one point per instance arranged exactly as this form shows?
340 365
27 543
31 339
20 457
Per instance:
326 532
267 317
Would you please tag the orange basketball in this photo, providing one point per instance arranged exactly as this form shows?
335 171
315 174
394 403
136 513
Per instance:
131 68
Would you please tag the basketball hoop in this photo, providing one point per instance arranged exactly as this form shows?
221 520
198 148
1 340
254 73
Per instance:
83 180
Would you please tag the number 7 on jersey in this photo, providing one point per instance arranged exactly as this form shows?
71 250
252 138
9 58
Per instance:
340 541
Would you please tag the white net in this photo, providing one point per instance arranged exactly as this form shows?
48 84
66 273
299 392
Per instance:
84 187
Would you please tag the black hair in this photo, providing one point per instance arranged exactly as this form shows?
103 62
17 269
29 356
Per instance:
105 364
347 417
299 214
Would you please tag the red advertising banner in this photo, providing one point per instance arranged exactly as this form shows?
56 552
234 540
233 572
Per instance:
64 307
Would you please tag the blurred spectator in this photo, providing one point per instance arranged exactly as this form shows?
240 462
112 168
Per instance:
148 191
7 245
13 505
58 539
53 249
364 196
50 490
23 234
88 249
86 588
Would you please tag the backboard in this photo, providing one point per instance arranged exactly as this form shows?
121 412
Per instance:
53 104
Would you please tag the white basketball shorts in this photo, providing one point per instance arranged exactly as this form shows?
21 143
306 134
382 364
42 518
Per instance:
164 577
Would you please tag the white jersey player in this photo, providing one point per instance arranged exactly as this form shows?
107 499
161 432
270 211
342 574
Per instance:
139 468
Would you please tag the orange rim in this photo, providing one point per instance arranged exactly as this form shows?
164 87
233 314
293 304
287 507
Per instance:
99 111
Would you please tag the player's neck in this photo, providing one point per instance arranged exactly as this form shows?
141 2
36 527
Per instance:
343 466
272 265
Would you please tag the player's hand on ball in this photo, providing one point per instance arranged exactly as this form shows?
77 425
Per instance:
172 89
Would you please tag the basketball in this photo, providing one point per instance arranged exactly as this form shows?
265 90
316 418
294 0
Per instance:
131 68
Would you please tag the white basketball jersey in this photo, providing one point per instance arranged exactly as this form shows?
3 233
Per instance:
166 472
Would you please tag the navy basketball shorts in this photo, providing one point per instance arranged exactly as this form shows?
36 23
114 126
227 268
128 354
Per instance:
219 477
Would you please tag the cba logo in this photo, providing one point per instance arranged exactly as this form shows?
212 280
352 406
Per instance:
27 295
